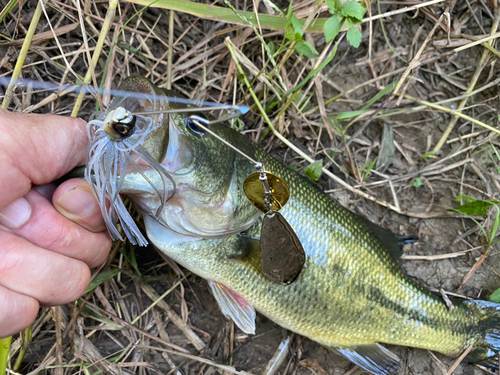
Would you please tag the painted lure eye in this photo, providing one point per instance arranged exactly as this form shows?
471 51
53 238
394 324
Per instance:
194 128
125 127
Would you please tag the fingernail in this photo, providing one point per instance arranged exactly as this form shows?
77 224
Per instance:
16 214
77 202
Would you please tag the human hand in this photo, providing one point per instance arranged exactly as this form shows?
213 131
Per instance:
46 249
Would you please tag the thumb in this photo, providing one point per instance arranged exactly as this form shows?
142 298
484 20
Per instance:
75 200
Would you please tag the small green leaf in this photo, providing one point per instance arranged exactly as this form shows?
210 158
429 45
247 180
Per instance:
354 36
289 33
331 28
297 26
306 49
429 155
271 47
314 170
289 29
495 296
332 6
311 47
352 9
463 197
477 207
101 278
368 168
418 182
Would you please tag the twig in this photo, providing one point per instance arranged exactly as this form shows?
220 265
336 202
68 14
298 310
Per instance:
127 324
188 332
170 48
459 360
230 369
455 113
438 256
415 62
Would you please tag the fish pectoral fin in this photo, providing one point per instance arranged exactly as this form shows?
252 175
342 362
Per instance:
234 306
248 252
372 358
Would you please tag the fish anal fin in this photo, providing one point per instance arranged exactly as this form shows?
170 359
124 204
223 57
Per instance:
373 358
234 306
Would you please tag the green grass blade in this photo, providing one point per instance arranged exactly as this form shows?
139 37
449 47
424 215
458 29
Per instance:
311 74
346 115
101 278
496 223
215 13
386 90
10 5
4 354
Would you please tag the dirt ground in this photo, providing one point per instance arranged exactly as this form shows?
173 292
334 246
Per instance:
80 338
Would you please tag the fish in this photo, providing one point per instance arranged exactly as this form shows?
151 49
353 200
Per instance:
350 296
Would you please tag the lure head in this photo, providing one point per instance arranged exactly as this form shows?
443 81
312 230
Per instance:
138 94
119 124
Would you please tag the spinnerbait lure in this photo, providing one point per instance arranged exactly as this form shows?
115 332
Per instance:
114 139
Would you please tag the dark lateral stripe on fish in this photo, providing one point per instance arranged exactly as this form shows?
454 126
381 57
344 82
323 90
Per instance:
375 295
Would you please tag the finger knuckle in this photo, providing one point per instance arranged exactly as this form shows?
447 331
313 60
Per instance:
9 256
101 250
80 281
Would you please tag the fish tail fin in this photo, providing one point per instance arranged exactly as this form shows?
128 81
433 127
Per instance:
485 335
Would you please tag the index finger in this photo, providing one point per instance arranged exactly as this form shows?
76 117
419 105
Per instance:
37 149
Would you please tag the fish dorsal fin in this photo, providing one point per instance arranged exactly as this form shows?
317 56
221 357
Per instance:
234 306
392 242
372 358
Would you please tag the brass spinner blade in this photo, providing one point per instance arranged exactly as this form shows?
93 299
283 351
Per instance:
254 190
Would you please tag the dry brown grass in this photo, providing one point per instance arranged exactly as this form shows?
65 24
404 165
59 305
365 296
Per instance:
427 132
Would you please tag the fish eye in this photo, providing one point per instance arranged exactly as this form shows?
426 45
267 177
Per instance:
191 125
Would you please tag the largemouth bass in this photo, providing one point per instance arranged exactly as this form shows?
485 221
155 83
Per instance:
350 296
